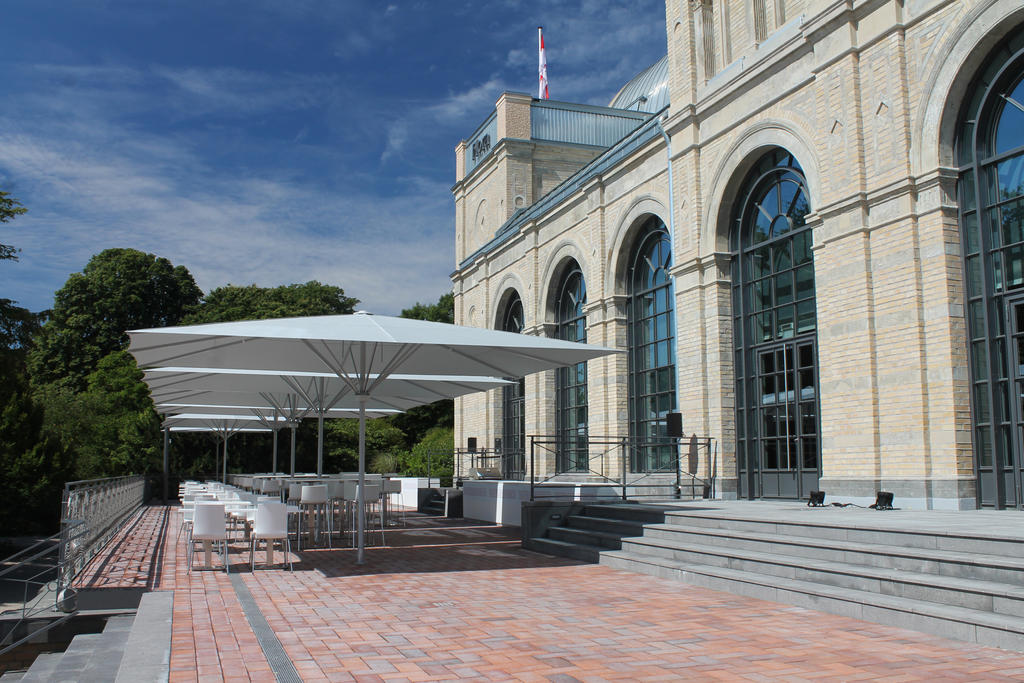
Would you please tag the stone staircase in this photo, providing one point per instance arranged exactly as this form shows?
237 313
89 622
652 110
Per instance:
965 586
442 502
131 648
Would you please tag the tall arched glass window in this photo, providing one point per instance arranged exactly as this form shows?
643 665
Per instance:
571 382
775 333
513 414
989 149
652 358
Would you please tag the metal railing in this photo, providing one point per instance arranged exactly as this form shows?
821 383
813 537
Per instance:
102 505
92 512
506 465
632 468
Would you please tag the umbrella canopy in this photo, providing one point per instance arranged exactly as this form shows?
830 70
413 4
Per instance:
222 426
358 346
362 350
306 391
261 413
298 395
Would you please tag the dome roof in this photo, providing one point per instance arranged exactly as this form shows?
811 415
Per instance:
647 91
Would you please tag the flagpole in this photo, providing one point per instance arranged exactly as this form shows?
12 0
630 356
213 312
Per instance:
542 66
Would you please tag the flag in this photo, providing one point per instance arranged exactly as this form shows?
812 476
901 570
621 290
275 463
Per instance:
542 67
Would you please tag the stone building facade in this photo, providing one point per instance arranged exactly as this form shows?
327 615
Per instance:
806 228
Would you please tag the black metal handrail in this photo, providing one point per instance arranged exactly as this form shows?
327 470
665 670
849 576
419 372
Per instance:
610 464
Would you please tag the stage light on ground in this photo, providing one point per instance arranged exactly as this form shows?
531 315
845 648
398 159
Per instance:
816 499
883 501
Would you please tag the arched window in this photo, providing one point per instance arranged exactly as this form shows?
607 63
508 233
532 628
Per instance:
571 382
989 150
652 358
775 333
513 416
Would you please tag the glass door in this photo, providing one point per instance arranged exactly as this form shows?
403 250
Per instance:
1011 452
786 462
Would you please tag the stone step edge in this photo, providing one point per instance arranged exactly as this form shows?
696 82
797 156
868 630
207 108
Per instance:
846 526
147 653
936 555
962 615
633 524
978 586
607 535
596 550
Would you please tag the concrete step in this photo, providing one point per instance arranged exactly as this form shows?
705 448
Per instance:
73 662
622 527
574 551
1001 569
960 591
851 529
633 512
107 651
147 655
42 667
601 539
944 620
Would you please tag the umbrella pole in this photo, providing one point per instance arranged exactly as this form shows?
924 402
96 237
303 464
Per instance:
273 465
293 450
320 445
167 441
361 516
224 478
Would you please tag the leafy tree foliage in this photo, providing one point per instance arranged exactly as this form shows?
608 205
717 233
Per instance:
111 427
441 312
416 422
9 208
231 302
118 290
32 468
341 443
433 455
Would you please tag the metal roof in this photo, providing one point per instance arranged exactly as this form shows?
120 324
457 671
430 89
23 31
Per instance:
647 91
643 134
581 124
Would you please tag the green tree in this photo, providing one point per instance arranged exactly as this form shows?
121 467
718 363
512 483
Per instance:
232 302
341 443
110 428
9 208
433 455
416 422
118 290
441 312
33 469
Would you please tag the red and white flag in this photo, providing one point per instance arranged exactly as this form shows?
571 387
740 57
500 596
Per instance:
542 67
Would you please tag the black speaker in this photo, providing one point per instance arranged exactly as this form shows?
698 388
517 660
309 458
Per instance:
674 424
471 444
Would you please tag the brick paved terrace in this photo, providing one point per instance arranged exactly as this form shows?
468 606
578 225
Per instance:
455 599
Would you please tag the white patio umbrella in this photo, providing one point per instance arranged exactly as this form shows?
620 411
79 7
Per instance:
362 350
296 395
228 403
224 426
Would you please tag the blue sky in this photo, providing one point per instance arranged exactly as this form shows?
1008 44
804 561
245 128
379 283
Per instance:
272 142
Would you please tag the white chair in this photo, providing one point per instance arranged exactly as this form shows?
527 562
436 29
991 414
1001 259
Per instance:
371 509
313 502
271 524
336 503
270 487
392 487
209 525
